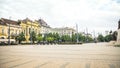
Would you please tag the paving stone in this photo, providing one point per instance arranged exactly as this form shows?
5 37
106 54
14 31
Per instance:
60 56
76 65
15 63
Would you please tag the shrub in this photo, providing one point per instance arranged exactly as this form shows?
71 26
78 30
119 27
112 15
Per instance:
117 45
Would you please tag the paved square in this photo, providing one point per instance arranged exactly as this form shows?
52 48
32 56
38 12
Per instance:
60 56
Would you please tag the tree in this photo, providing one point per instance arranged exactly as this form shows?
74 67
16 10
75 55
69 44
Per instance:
50 39
82 38
20 37
114 35
74 37
56 37
33 37
108 38
45 38
39 38
111 36
100 38
90 39
53 36
65 38
110 32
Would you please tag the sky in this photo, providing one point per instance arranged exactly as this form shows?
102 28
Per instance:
94 15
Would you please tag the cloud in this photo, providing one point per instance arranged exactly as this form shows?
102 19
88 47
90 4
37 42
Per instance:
93 14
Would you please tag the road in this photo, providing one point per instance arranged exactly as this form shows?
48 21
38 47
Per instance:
92 55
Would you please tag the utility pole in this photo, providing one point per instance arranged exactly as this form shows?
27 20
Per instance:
77 33
9 32
87 34
31 33
94 36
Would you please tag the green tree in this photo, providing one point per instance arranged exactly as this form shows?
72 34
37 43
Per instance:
39 38
74 37
83 38
56 37
20 37
108 38
100 38
45 38
90 39
114 35
66 38
111 36
33 37
50 39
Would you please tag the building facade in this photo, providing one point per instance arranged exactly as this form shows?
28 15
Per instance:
45 28
63 31
16 27
7 25
28 26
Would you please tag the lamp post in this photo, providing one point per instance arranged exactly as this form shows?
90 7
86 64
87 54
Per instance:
9 32
31 34
77 33
87 34
94 36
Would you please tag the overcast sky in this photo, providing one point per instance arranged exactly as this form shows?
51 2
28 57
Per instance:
97 15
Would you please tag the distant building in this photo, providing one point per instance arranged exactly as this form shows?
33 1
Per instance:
45 28
106 32
86 34
63 31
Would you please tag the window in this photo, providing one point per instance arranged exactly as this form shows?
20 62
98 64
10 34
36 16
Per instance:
16 32
2 30
29 30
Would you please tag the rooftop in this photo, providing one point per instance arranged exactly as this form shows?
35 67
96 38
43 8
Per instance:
4 21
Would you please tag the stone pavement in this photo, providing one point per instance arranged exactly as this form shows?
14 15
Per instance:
60 56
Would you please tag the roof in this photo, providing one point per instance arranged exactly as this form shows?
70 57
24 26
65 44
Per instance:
42 23
4 21
26 20
65 28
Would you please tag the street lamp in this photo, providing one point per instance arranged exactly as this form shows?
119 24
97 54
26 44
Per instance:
94 36
9 32
77 33
31 34
86 34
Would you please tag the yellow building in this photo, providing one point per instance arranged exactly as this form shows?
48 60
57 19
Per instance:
28 26
15 28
